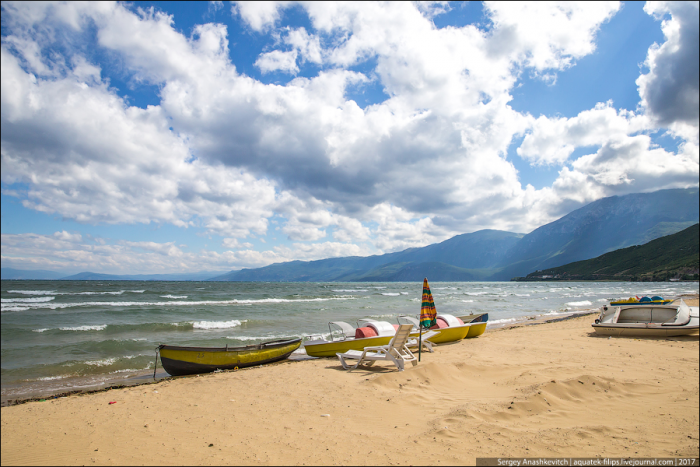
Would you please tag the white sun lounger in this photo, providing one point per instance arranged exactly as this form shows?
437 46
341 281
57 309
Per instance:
427 345
413 342
395 352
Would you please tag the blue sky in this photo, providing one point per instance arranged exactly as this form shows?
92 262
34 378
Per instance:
163 137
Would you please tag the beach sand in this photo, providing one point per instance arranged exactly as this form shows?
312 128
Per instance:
553 389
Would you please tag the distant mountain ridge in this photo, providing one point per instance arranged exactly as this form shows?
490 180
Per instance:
600 227
671 257
91 276
593 230
597 228
481 250
18 274
32 274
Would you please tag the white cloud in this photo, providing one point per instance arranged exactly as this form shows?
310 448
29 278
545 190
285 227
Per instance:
552 140
234 244
226 152
278 61
669 90
547 35
89 157
259 15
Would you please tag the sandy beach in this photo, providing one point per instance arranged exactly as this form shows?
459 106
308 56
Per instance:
553 389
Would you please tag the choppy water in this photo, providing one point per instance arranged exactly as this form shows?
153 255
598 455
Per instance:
62 335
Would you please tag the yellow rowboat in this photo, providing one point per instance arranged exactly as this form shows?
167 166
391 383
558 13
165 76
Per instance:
179 361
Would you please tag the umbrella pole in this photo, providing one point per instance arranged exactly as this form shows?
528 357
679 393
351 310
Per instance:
420 340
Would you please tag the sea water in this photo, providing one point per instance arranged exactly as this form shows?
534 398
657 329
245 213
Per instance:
60 336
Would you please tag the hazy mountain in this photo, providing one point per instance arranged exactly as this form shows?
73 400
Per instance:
36 274
92 276
673 256
477 251
600 227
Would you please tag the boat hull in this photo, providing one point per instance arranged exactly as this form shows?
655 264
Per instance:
329 349
179 361
323 348
451 334
476 329
648 321
643 330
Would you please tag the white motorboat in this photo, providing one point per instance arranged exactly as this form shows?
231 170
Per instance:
647 320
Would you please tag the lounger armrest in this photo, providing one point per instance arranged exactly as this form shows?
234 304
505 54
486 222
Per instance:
377 347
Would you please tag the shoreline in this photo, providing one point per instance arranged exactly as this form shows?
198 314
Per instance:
530 390
145 377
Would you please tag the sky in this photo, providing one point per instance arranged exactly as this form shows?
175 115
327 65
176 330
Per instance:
170 137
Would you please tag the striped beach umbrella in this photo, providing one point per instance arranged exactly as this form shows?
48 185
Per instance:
428 315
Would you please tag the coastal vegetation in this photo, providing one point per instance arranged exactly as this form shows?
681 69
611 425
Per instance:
672 257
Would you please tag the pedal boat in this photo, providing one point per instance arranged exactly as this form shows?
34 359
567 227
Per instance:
647 320
478 322
179 361
449 328
344 337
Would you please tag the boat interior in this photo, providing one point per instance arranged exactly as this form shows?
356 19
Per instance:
661 315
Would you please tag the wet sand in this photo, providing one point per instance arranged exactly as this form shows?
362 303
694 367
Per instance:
547 390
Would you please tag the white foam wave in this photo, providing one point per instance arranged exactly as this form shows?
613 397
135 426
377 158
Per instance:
173 296
391 294
94 293
501 321
56 306
350 290
258 338
27 300
105 362
98 327
53 292
216 324
475 293
14 308
467 301
52 378
33 292
582 303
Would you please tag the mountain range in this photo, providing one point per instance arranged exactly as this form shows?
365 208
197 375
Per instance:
18 274
597 228
673 257
600 227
